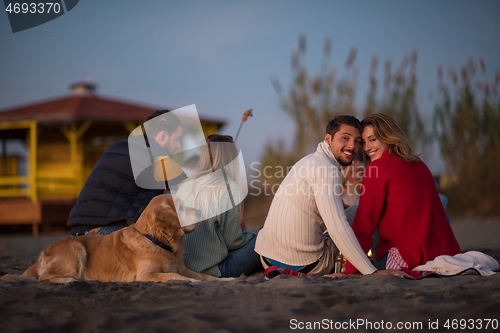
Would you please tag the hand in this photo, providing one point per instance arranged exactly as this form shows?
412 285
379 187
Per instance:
394 272
334 275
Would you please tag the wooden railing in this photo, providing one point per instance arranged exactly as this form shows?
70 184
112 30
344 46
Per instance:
12 186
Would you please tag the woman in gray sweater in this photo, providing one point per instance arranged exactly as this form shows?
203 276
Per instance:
220 246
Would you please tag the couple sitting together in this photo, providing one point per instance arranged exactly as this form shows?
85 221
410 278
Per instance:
306 226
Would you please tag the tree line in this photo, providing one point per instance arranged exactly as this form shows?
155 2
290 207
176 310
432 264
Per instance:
464 122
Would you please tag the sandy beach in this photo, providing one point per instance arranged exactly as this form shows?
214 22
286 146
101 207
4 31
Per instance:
251 304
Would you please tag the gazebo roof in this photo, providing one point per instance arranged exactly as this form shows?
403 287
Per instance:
85 107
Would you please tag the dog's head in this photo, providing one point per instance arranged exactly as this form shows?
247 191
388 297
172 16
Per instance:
168 219
189 218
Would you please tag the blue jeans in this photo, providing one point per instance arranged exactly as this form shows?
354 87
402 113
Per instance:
241 261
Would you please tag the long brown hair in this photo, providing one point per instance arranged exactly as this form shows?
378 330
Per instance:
387 131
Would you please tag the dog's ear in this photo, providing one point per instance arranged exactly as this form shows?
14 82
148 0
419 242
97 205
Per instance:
161 212
190 228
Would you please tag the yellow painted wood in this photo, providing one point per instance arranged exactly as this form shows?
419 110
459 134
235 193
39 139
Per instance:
137 131
30 179
52 187
131 126
56 168
15 192
16 124
13 165
73 145
73 134
14 180
53 153
85 126
8 166
32 160
55 171
209 129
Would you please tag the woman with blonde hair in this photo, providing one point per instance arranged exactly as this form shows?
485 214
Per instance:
221 246
400 199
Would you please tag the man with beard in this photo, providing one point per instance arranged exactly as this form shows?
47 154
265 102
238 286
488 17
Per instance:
308 203
112 198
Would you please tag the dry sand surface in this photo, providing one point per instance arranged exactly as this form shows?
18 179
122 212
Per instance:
250 304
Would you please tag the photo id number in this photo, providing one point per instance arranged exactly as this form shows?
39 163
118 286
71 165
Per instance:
40 8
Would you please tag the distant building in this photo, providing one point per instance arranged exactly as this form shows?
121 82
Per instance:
49 149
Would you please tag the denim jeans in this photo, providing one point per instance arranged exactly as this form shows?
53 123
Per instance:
241 261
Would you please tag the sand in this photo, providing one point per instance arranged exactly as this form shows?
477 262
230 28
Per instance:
251 304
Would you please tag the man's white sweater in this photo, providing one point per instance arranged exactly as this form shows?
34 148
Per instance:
306 204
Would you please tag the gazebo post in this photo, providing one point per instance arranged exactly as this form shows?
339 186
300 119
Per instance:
33 143
73 134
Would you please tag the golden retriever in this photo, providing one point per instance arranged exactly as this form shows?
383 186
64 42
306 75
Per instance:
125 255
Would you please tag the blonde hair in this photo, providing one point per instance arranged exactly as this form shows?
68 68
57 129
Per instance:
387 131
209 188
219 152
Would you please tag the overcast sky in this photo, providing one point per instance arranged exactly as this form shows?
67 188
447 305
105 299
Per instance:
221 55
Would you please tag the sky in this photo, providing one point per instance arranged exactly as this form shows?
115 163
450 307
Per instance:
221 55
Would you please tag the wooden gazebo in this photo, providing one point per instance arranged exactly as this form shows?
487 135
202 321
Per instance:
57 144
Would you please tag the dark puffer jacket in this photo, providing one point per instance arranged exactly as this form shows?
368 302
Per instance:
110 193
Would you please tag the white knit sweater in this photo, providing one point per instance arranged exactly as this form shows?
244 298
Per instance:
308 203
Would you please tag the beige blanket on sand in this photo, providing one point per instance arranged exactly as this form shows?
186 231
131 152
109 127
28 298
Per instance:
451 265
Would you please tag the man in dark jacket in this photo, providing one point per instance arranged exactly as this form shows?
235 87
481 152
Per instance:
111 198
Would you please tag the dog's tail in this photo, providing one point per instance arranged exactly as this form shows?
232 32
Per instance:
29 276
19 278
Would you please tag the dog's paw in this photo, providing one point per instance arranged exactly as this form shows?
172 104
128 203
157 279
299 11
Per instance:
181 282
10 278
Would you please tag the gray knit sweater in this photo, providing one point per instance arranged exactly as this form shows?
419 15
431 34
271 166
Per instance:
211 242
308 203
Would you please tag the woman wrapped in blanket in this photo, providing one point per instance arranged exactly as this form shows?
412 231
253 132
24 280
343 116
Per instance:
400 199
221 246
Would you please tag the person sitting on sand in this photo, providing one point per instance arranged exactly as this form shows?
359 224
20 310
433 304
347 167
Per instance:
221 246
400 199
112 198
308 203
